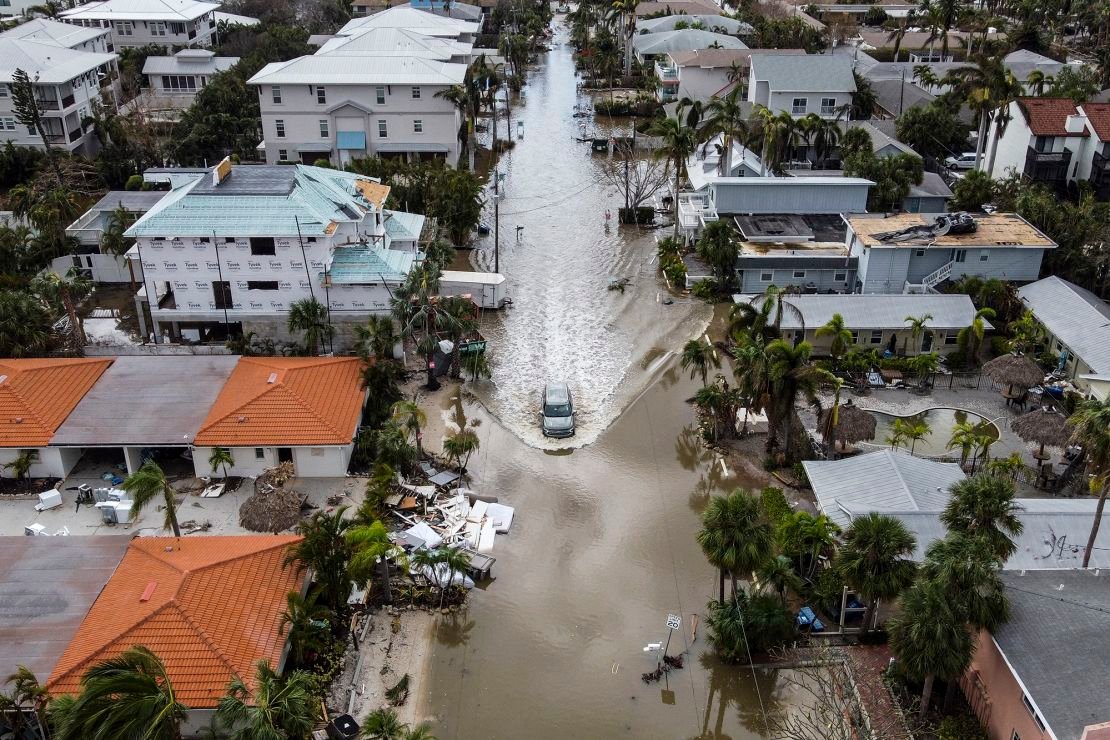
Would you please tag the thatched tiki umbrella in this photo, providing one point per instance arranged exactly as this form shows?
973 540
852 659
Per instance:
1044 426
1014 370
846 423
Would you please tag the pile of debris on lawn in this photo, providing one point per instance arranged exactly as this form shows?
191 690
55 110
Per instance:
272 507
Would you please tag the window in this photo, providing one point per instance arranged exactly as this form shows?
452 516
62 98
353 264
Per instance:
798 108
840 277
324 128
259 453
125 28
877 336
379 95
919 253
855 337
1029 706
177 28
1044 143
383 131
262 246
157 28
262 285
321 94
799 274
951 337
177 83
279 127
283 155
3 91
231 239
828 106
418 126
415 92
766 277
983 256
221 294
275 93
960 255
7 123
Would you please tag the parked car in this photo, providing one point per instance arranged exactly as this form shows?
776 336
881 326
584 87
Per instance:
965 161
557 411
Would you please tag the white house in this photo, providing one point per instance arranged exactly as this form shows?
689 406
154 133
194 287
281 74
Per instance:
1046 140
1077 330
699 74
89 229
412 19
134 23
174 81
65 35
800 85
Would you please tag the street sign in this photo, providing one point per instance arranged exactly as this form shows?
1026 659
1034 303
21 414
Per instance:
673 621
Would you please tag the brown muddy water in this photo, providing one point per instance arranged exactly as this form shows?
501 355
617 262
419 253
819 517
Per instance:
602 548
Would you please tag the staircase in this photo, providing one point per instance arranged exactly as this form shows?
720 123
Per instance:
929 283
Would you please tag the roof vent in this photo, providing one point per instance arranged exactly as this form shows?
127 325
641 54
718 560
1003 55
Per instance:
148 591
242 419
17 420
272 379
3 378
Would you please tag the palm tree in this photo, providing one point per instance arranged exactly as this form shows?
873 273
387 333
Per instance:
823 134
24 325
989 88
307 622
735 537
463 322
930 637
717 248
148 483
678 143
279 707
750 368
875 559
727 118
324 550
1091 423
897 34
971 337
698 357
460 446
383 724
778 575
791 376
627 10
65 290
965 436
1036 82
918 324
410 417
455 561
27 693
458 95
376 338
22 463
897 436
917 431
421 314
129 696
711 400
371 548
967 567
313 319
983 506
841 336
806 537
220 458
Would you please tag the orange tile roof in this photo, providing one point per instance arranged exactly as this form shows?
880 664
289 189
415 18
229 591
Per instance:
311 401
213 612
36 396
1099 116
1048 116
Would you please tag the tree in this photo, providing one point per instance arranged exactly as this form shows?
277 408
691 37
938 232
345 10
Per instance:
841 336
988 88
383 724
308 626
805 537
26 108
463 322
324 550
220 458
460 446
635 179
967 568
791 376
279 707
735 537
823 134
727 118
918 324
419 310
112 239
627 11
409 416
863 98
973 190
371 548
894 176
965 436
147 484
698 357
1091 424
65 291
983 506
678 141
875 559
24 325
917 431
22 463
129 696
27 694
747 624
970 338
778 575
1079 83
930 637
932 130
310 317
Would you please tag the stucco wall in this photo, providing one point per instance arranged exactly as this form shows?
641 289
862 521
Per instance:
310 462
996 696
53 462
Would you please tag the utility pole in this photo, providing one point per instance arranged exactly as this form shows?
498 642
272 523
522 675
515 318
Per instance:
496 221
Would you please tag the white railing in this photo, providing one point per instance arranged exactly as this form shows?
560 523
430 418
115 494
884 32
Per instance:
938 275
695 211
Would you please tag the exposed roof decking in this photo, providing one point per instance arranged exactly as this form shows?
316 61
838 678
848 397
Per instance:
992 230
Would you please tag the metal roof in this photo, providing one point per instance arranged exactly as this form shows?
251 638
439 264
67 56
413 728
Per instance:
47 585
1055 642
1075 316
147 402
233 19
683 40
885 481
714 23
819 73
45 62
404 16
864 311
140 10
188 64
366 70
403 226
391 41
362 264
47 31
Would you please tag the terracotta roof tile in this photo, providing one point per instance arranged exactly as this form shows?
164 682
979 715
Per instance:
214 611
312 401
36 396
1048 116
1099 116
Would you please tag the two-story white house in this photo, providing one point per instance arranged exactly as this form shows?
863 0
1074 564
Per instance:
168 23
413 19
801 84
68 83
95 40
344 103
174 81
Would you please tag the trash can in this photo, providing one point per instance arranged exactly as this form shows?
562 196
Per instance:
343 727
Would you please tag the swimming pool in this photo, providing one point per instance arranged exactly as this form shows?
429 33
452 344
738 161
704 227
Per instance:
941 422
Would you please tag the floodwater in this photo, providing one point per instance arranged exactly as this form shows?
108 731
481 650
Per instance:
941 422
602 548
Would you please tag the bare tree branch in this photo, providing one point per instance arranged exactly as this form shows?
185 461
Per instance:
645 177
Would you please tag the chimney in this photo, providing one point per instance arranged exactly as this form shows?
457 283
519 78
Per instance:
1076 124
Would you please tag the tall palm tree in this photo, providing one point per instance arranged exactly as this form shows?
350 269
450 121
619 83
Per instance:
678 142
371 550
778 574
460 446
917 431
376 338
841 336
727 118
989 88
971 337
751 370
311 318
791 376
324 549
967 567
983 506
460 98
462 313
930 637
307 622
220 458
279 707
129 696
918 325
897 436
27 693
875 559
627 11
698 357
65 290
420 311
806 537
147 484
945 14
1036 82
735 537
410 417
1091 424
965 436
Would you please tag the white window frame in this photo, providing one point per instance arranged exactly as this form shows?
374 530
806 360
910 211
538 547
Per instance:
283 155
799 275
951 337
828 106
124 28
876 336
7 123
799 110
3 91
259 453
279 127
766 277
325 128
158 28
321 95
383 129
379 95
417 126
840 277
275 94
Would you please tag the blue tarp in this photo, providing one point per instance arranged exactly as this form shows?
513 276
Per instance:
351 140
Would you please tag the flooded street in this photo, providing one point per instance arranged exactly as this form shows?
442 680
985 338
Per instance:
602 547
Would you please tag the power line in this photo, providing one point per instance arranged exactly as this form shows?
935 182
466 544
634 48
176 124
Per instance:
553 204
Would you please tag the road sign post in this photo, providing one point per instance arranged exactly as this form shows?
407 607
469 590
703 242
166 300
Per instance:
673 622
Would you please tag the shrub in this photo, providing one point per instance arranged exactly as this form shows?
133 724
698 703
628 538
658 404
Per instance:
960 727
746 625
799 472
1001 346
774 504
705 289
135 182
769 463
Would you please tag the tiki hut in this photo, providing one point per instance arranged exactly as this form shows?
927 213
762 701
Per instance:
853 424
1014 371
1043 426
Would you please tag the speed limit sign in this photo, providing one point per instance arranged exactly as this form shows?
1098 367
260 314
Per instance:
673 621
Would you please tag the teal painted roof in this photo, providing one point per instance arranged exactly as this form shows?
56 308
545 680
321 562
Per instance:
403 226
258 200
361 264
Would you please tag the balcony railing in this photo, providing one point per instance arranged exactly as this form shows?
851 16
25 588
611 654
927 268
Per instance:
666 71
1047 166
47 104
1100 165
75 135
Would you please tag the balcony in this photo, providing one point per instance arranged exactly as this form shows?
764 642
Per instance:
75 135
666 72
1100 175
695 211
47 104
1047 167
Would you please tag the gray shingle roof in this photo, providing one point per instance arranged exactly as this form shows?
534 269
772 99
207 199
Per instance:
1076 316
880 481
877 311
1056 642
810 73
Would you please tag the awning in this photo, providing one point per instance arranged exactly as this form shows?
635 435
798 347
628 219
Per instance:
324 147
415 147
351 140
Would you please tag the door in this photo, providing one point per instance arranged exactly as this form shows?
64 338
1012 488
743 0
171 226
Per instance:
285 454
927 342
